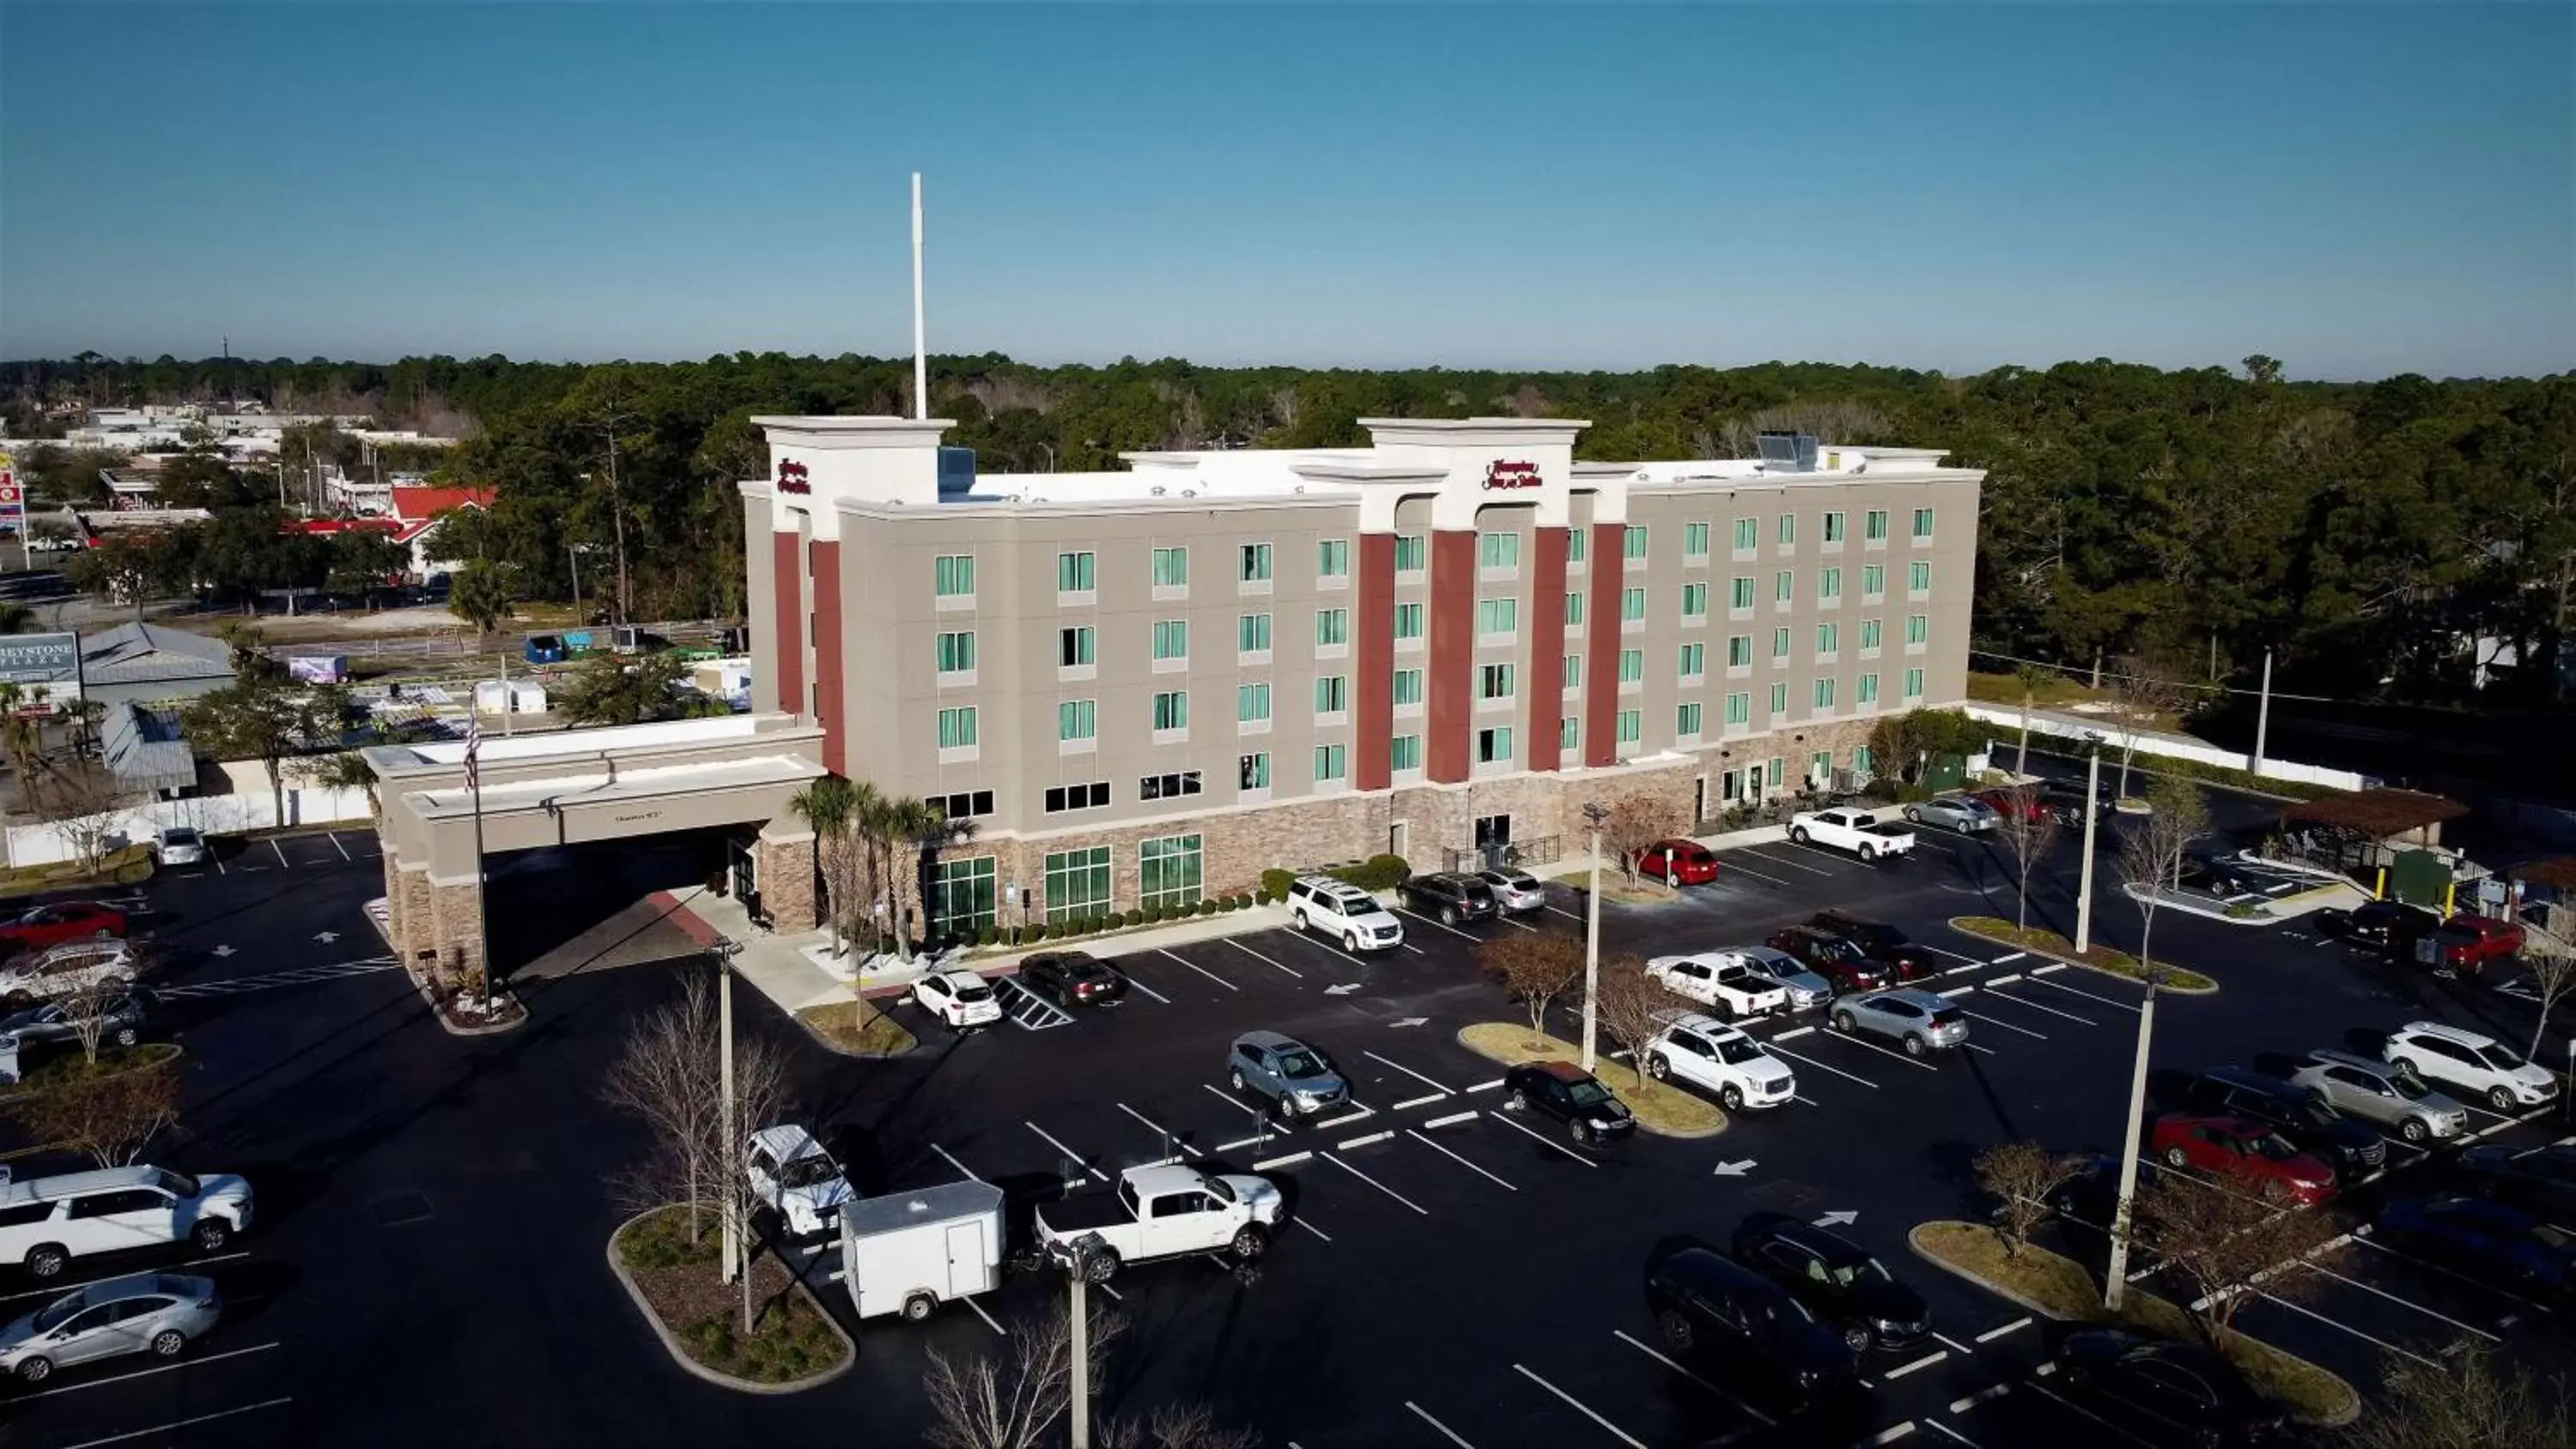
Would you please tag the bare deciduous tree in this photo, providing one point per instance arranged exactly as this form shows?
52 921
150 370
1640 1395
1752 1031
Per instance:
2222 1239
2151 853
2143 691
2463 1400
1533 969
2549 968
2020 1176
1014 1397
1635 823
1630 1005
2027 829
110 1119
79 801
1176 1426
90 1008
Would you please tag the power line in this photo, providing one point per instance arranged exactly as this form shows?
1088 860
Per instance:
2076 669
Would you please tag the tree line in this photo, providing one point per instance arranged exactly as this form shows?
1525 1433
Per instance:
2367 532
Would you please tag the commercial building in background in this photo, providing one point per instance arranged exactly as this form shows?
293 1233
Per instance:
1145 685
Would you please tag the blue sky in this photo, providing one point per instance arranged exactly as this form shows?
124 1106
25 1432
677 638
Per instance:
2358 191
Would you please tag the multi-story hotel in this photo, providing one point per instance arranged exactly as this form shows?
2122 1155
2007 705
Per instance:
1142 685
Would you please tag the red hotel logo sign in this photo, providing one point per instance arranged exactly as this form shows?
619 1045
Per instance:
791 478
1503 474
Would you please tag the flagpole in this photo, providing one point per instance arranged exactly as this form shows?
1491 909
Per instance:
482 918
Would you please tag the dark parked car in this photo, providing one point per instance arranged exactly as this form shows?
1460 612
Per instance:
2223 876
1450 896
2092 1196
2195 1395
2537 1179
66 921
1837 1279
1570 1095
1879 941
2307 1123
2464 943
2494 1242
122 1020
1073 978
1705 1301
2385 924
1830 956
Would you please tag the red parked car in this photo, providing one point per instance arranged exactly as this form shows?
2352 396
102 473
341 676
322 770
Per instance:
52 925
1681 862
1832 957
2031 801
2468 942
2247 1151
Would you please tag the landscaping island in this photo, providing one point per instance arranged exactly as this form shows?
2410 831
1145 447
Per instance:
1661 1108
2055 947
793 1344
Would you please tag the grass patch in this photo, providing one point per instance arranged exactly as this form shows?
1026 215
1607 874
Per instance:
2054 691
2100 958
790 1338
1661 1108
1616 887
861 1029
2062 1288
65 1066
117 867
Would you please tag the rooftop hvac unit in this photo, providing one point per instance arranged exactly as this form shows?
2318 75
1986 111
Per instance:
1786 452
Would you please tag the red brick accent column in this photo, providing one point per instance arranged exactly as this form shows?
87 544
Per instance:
1540 673
829 708
1452 667
787 566
1375 765
1601 668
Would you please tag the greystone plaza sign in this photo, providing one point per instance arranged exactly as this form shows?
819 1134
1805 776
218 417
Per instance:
39 658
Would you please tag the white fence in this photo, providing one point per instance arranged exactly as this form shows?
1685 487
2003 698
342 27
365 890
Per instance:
2170 746
249 806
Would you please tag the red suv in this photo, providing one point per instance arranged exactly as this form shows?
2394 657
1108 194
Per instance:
66 921
2247 1151
1837 960
1681 862
2467 943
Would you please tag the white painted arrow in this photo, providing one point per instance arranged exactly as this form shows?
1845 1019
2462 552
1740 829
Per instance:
221 951
1735 1169
1345 989
1410 1021
1835 1219
326 937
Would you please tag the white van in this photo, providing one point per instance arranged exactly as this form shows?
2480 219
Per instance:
45 1222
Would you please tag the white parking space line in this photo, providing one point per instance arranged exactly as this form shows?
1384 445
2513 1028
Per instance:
1985 1051
1741 1407
988 1318
1953 955
1148 990
1291 1160
1373 1182
334 838
2371 1242
1452 1120
1257 956
1954 1345
2051 966
1508 919
179 1424
1820 1066
1541 1140
1938 1427
57 1290
1461 1161
1159 1131
1991 1334
1485 1086
2348 1328
1622 1435
1203 971
1338 951
280 849
190 1362
1569 915
1781 861
2004 980
1300 1220
1891 1433
2407 1302
1069 1153
1793 1035
2005 960
1926 1361
953 1162
2087 995
1371 1140
2006 1025
1410 1103
1437 925
1445 1431
1993 994
1827 854
1849 1038
1408 1071
1363 1114
1985 1395
1740 868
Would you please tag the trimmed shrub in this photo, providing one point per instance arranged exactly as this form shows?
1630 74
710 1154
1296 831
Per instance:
1275 883
1207 907
1245 901
987 936
1377 873
1261 898
1229 903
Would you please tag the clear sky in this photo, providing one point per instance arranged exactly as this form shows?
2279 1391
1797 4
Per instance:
2356 190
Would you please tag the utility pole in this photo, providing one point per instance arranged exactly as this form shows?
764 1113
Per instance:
2116 1280
2092 809
723 949
1080 1367
921 343
1592 940
2263 713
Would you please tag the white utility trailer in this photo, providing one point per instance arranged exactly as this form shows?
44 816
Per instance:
908 1252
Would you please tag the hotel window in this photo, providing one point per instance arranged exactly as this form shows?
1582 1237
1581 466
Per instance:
1632 666
957 652
1573 609
1633 543
1404 752
1833 528
1631 726
1779 700
1408 621
1873 580
1252 703
1788 529
957 728
1873 526
1694 601
1740 592
954 575
1825 692
1748 534
1913 685
1332 694
1739 651
964 805
1632 606
1494 746
1918 628
1498 550
1408 686
1574 671
1868 689
1498 616
1686 720
1784 586
1332 627
1863 760
1252 563
961 895
1172 709
1923 525
1829 639
1168 871
1739 709
1695 542
1694 660
1918 577
1077 882
1252 633
1332 762
1252 772
1171 568
1494 681
1569 734
1172 639
1779 645
1408 553
1869 632
1168 787
1829 584
1077 719
1577 543
1061 798
1073 573
1333 558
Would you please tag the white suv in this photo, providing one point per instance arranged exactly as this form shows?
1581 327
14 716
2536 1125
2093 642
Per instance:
64 969
45 1222
2479 1065
1709 1054
1343 911
792 1173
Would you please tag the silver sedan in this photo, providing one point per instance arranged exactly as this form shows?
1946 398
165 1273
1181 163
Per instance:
1953 812
1919 1020
155 1313
1515 890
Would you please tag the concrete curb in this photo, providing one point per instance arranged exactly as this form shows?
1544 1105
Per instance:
680 1354
2168 989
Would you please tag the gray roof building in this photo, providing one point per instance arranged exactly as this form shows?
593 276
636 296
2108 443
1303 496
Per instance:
145 749
150 664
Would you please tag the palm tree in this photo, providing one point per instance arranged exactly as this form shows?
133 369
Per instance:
923 829
830 805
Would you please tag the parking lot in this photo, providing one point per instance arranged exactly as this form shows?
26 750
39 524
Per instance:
432 1209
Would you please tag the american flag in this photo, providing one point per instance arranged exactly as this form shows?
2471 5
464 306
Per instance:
473 749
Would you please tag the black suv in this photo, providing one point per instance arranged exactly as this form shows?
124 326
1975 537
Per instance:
1837 1278
1072 978
1704 1300
2308 1123
2179 1387
1572 1096
1877 940
2389 925
1452 896
2539 1179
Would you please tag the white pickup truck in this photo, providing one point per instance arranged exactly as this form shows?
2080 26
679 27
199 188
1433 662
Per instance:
1720 981
1857 831
1163 1210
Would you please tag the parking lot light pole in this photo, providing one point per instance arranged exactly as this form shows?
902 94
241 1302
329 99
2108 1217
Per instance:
1594 813
1079 1327
2092 810
2117 1278
724 949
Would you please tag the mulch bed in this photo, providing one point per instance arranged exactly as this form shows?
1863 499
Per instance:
790 1339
